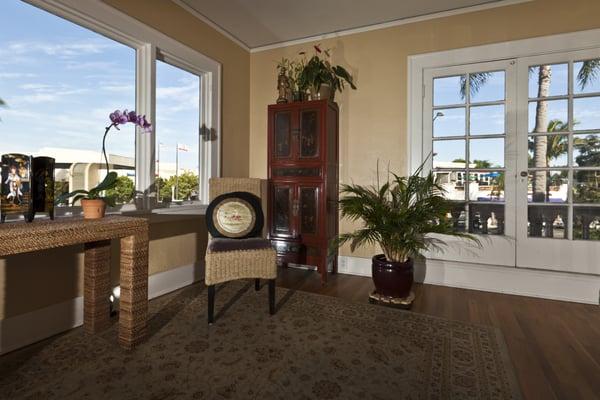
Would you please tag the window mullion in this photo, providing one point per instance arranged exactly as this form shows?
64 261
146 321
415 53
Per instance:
145 143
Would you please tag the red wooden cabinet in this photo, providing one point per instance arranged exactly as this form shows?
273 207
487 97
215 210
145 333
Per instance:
303 181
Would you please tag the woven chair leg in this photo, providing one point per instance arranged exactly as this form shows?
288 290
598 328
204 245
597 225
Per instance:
257 284
211 304
271 296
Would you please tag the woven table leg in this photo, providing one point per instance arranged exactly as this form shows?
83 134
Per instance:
133 312
96 287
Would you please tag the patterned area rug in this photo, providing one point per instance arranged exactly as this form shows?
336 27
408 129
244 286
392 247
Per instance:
315 347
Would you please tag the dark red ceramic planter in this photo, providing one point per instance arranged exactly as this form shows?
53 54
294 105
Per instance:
392 279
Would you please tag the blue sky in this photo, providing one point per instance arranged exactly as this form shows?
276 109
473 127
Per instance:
61 81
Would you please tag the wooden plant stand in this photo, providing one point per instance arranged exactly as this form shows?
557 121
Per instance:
20 237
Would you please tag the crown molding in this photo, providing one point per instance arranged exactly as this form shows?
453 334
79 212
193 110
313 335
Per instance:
207 21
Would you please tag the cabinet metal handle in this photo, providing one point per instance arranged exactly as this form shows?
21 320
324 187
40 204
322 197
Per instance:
296 207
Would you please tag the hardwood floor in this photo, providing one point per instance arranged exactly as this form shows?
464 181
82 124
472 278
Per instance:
554 345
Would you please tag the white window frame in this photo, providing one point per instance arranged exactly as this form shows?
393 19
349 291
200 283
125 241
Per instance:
108 21
418 66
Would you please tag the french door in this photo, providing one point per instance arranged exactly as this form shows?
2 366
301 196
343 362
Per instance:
468 117
516 146
558 185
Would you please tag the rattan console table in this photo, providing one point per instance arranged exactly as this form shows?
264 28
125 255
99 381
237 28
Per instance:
21 237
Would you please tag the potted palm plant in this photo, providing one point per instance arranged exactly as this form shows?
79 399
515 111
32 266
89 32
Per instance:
399 216
93 201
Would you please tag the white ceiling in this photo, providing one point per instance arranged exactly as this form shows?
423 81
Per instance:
258 23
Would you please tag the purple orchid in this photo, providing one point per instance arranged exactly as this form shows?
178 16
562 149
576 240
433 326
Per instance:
119 117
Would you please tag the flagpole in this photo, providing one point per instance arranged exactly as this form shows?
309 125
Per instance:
176 171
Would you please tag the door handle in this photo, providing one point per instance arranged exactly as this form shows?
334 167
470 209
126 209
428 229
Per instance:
523 174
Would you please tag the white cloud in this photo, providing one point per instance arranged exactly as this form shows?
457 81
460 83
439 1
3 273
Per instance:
16 75
65 49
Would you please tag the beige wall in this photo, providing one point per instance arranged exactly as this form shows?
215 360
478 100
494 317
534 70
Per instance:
33 281
373 118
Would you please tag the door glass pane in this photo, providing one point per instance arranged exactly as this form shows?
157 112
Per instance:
586 113
486 186
283 127
486 153
585 79
487 86
308 210
448 154
487 120
453 183
449 122
178 124
281 209
309 134
545 112
586 150
586 223
486 219
586 186
547 221
448 91
458 216
548 80
548 186
551 149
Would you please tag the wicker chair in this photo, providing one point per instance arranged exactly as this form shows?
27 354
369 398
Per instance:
231 259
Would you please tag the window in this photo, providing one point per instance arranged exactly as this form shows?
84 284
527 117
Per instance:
66 65
60 81
177 133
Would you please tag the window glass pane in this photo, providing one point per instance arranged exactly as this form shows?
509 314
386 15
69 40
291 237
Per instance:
448 90
585 78
453 183
448 153
487 86
586 113
548 186
548 151
487 120
486 219
177 133
486 153
586 186
486 186
449 122
548 80
586 223
552 115
586 150
547 222
60 82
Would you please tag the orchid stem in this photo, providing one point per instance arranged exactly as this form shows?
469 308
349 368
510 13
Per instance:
104 146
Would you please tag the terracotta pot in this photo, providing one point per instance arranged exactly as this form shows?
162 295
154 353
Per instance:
93 208
392 279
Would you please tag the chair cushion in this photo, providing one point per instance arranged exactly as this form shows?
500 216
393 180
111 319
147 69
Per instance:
235 215
217 245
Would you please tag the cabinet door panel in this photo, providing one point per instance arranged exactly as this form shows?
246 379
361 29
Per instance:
309 209
282 135
310 133
281 211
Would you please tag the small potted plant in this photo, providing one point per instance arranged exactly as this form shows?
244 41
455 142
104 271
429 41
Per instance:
321 78
399 216
93 201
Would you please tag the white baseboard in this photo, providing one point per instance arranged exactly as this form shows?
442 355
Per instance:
519 281
28 328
